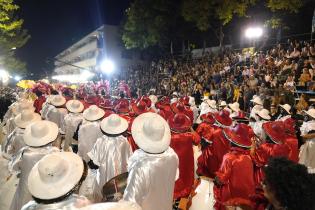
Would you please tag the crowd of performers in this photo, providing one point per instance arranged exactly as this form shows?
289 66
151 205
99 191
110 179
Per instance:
70 149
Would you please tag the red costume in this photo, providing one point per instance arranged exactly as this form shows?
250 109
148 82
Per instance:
212 155
237 177
216 147
38 103
178 107
291 140
275 148
182 142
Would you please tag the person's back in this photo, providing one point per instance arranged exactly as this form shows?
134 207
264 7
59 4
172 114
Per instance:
154 175
89 132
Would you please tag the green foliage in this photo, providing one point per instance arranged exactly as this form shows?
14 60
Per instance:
276 23
148 23
12 36
151 22
287 5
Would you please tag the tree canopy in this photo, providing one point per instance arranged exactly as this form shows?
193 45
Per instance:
152 22
12 36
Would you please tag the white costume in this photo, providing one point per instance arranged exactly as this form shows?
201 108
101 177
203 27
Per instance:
258 130
55 115
89 132
151 179
111 154
74 202
72 120
203 200
307 150
254 111
13 143
28 158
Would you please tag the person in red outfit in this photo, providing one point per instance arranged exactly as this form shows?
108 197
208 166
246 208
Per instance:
291 139
164 108
38 103
183 138
179 107
217 146
234 181
273 147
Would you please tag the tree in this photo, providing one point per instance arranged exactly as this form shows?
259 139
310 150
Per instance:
148 23
12 36
205 13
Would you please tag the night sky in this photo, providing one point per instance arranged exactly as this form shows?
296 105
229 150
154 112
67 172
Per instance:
56 24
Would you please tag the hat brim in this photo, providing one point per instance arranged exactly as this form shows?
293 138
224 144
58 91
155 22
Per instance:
265 117
74 110
275 136
234 108
143 141
283 107
114 130
95 117
23 124
46 191
136 110
226 121
33 141
206 118
58 103
241 141
185 126
309 114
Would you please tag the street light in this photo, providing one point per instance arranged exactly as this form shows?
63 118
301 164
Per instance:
253 32
4 76
17 78
107 66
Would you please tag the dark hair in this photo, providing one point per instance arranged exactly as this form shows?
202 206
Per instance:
292 184
54 92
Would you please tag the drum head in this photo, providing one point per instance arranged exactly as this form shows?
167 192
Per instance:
113 190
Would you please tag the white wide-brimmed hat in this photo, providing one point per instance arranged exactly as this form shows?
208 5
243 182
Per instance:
235 107
114 124
175 94
205 98
310 112
286 107
40 133
26 118
211 103
151 133
223 103
93 113
264 113
153 99
23 105
74 106
57 100
55 175
257 100
121 205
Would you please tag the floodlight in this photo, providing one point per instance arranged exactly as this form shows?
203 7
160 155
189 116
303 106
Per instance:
17 78
107 66
253 32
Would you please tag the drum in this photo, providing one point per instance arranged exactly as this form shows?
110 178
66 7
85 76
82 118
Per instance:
113 190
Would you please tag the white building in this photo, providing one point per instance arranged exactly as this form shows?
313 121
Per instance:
91 50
